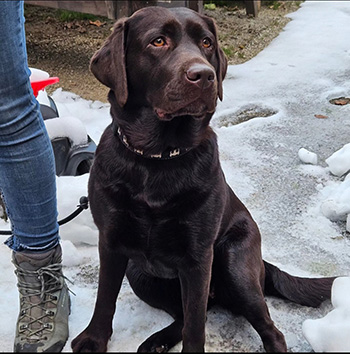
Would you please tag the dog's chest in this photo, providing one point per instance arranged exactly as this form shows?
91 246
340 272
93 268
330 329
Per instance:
157 217
157 247
154 233
157 238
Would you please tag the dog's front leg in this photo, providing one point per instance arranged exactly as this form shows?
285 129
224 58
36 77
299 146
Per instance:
112 270
195 283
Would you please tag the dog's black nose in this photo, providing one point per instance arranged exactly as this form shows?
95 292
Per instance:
200 75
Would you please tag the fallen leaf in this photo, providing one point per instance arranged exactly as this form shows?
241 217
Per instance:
70 25
97 23
210 6
341 102
320 116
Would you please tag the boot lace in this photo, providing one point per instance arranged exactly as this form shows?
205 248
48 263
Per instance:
47 280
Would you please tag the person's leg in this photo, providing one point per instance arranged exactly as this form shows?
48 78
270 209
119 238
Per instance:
28 185
27 167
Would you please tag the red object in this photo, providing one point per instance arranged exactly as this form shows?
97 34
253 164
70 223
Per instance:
41 84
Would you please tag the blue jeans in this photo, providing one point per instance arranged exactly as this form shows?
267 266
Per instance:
27 165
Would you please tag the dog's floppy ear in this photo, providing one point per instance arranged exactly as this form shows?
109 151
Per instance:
221 71
220 57
108 63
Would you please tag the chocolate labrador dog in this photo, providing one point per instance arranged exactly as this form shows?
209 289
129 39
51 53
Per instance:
167 219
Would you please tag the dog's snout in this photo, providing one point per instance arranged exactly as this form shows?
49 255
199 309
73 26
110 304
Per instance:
200 75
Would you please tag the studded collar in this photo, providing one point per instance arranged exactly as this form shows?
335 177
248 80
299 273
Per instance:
164 155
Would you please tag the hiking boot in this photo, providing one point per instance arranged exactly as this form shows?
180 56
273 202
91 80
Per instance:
42 324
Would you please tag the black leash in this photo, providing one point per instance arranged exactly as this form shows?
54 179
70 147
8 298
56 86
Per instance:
83 204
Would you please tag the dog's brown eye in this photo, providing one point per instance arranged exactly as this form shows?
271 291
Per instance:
159 42
206 43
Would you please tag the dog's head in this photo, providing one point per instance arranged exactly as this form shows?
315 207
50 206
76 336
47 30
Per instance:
168 60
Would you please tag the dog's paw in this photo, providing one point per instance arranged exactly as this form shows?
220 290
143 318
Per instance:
150 347
86 343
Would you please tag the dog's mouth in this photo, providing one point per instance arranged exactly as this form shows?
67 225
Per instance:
197 110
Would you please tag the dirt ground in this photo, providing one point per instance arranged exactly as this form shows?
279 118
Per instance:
63 45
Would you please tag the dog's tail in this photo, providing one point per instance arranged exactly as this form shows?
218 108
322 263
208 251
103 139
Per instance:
304 291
